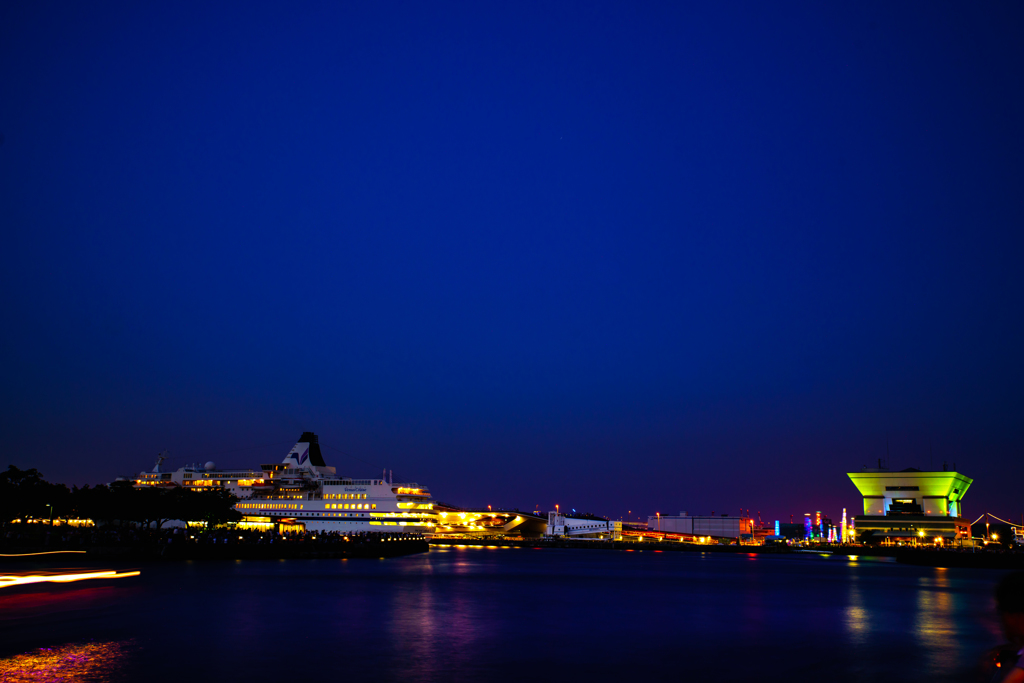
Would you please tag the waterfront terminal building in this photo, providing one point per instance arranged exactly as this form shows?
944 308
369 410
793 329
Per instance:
911 506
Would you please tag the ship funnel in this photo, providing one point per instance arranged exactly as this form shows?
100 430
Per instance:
306 452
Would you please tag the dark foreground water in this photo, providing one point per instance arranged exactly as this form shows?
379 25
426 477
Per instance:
479 614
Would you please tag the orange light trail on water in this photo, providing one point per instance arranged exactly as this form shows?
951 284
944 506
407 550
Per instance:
23 579
48 552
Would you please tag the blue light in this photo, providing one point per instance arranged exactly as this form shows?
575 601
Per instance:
777 528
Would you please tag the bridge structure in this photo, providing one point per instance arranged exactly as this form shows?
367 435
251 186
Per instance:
467 523
462 523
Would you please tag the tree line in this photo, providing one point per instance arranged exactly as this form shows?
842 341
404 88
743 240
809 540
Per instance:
25 494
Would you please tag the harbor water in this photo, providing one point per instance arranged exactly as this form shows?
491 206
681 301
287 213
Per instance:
508 614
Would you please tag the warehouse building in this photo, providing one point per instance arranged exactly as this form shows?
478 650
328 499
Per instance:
722 526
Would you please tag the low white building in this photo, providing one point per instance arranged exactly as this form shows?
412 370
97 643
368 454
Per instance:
561 525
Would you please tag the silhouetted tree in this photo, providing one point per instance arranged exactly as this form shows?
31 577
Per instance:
24 494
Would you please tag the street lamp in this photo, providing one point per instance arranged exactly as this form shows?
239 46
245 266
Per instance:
51 513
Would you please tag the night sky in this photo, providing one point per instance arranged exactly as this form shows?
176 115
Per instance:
616 256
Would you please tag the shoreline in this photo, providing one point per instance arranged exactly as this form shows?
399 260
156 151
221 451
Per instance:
668 546
175 552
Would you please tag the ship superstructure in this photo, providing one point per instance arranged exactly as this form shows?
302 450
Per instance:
303 493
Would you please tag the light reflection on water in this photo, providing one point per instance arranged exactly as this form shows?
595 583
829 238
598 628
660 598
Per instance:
856 618
462 614
68 663
934 624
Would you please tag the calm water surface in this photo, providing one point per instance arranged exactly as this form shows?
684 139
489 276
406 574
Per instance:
479 614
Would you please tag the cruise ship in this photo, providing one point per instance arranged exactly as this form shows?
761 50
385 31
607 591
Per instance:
303 494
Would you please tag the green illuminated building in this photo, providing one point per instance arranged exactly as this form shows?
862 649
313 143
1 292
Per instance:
911 505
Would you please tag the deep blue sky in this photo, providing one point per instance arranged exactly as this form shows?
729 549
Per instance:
617 257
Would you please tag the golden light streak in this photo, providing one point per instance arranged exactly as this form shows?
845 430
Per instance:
21 580
48 552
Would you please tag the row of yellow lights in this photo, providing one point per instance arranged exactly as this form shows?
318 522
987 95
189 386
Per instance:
269 506
55 522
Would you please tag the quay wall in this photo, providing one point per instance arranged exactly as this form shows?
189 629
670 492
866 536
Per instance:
669 546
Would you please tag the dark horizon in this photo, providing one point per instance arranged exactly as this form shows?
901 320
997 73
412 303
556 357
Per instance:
653 258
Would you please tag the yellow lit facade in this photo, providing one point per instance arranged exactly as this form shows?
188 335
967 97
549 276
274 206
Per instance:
911 506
